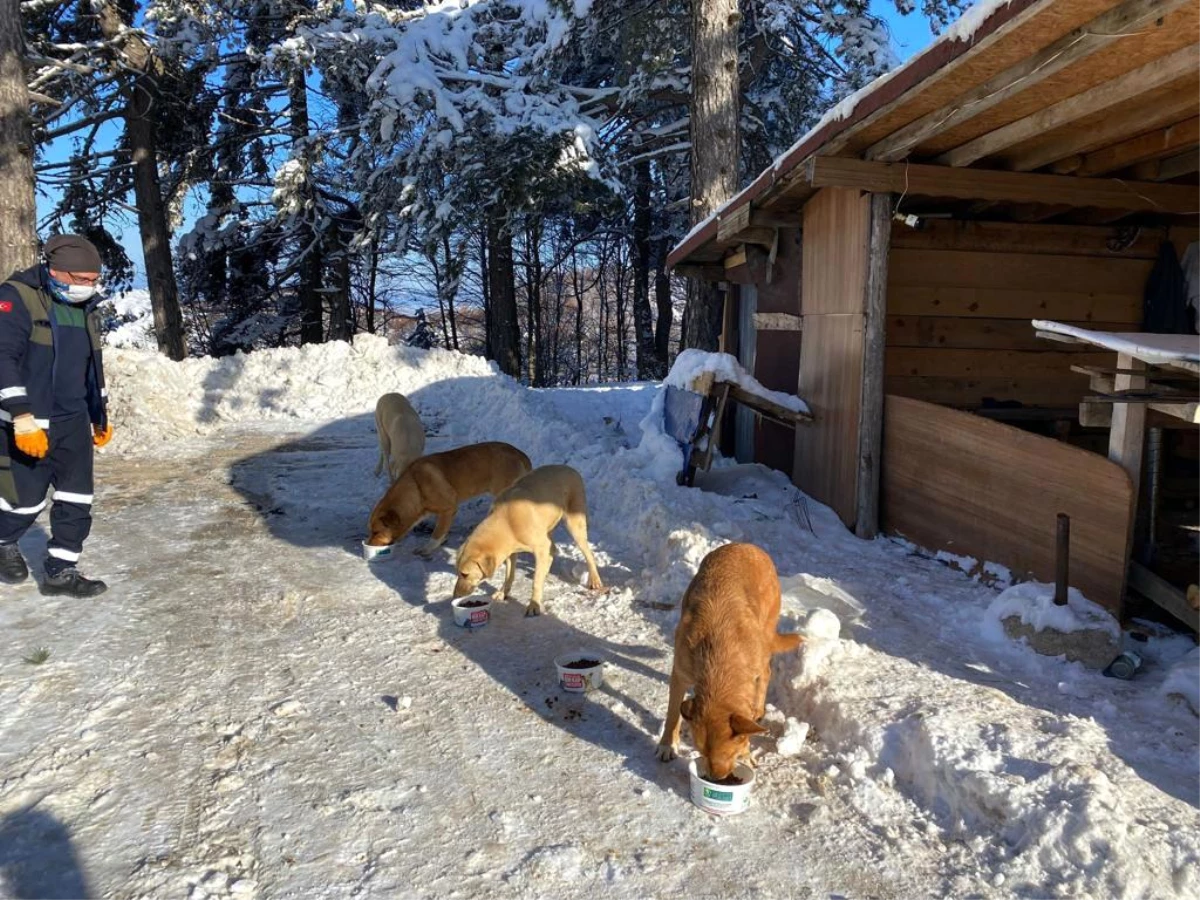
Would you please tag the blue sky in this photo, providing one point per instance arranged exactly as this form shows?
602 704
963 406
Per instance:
910 34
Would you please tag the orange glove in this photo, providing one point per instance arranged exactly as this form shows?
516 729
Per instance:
31 440
101 436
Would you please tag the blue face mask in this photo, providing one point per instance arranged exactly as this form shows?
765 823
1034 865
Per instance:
73 293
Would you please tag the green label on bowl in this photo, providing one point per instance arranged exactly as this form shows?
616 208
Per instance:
719 796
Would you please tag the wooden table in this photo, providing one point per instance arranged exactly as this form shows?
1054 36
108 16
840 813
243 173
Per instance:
1154 372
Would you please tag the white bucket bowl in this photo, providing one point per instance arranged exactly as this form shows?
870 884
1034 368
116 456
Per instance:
575 679
474 616
372 553
721 799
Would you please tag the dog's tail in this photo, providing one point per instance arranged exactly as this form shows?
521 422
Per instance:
785 642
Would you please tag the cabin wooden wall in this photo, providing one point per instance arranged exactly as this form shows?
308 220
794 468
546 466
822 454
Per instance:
961 296
832 298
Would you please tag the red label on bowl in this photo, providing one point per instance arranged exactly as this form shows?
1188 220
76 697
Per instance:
571 680
479 617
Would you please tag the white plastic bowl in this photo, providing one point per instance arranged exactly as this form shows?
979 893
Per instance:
578 680
376 554
721 799
471 616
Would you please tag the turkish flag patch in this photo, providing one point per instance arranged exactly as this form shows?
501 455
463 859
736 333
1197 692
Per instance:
5 306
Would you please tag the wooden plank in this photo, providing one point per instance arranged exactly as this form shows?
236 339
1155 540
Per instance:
1061 392
1019 272
731 223
980 333
988 184
935 362
1158 73
1126 440
825 464
836 232
1009 237
957 482
1160 142
1163 593
1148 111
1072 47
777 322
1183 164
768 408
999 303
870 412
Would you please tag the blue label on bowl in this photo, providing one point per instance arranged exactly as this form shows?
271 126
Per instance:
719 796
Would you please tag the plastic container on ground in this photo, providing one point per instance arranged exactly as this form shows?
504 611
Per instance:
576 677
721 799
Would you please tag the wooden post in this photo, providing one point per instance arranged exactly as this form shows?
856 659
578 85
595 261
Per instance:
870 421
1126 439
1062 560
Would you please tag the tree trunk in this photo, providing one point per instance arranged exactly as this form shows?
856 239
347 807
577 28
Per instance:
578 291
648 365
142 96
534 277
339 312
456 273
311 265
371 283
666 312
18 208
504 334
714 134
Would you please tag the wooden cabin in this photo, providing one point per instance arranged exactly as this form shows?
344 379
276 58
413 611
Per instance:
889 266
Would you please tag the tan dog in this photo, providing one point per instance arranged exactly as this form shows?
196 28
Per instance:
401 434
521 520
723 646
437 483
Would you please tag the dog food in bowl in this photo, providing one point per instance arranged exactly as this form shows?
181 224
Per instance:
471 612
726 797
579 670
371 553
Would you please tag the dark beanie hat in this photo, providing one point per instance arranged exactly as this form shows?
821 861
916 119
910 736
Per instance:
72 253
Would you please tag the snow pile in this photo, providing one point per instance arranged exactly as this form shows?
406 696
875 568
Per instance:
131 321
693 366
1183 681
1033 603
153 399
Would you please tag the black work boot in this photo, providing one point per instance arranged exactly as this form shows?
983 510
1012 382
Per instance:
12 565
68 582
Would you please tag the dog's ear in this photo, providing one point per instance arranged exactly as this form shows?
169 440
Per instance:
743 725
487 565
685 710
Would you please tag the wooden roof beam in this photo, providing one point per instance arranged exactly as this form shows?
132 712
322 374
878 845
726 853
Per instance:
1154 113
750 226
1183 63
1153 145
1010 187
1067 50
1166 169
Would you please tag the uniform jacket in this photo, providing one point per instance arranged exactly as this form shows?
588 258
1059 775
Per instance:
35 351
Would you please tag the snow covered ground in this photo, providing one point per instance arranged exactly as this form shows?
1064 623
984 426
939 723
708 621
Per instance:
253 711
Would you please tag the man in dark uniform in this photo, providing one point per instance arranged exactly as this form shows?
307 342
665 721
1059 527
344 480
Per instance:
52 409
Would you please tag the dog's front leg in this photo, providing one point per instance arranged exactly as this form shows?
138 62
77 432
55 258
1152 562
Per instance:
505 592
668 744
541 568
441 528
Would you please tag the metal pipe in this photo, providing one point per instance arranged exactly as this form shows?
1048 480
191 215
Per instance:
1154 454
1062 559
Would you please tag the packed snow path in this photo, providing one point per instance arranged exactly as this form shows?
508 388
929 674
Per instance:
252 710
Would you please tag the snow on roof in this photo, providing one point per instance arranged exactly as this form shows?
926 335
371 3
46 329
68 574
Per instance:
963 30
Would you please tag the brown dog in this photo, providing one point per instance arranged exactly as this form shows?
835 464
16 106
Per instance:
522 519
437 483
401 434
723 646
